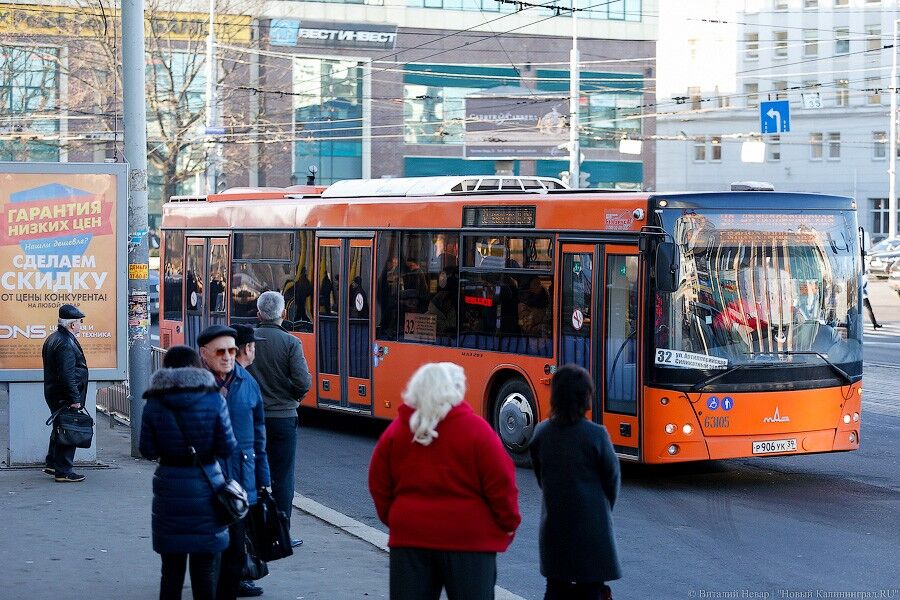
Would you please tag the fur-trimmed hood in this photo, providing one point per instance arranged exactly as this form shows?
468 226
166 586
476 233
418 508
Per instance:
169 382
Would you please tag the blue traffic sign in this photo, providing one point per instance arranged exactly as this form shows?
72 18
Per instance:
214 131
727 403
712 403
775 117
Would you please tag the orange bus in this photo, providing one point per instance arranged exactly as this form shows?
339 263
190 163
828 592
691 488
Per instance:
716 325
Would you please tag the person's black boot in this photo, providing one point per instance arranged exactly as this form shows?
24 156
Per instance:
248 589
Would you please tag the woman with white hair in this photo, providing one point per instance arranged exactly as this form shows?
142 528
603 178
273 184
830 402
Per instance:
445 487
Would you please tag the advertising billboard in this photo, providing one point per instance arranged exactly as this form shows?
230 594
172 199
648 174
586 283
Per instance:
512 126
62 241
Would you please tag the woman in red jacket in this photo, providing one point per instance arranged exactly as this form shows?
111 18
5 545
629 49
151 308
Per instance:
445 487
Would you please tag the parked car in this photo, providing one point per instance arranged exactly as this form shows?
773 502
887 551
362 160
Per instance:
880 264
894 277
153 294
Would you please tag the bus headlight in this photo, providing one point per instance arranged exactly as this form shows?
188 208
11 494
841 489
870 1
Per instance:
664 400
670 428
846 419
852 437
673 449
687 429
855 417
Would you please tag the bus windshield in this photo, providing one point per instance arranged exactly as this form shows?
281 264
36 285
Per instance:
767 287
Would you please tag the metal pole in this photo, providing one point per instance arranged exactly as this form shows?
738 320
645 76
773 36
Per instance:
135 122
892 156
574 147
212 105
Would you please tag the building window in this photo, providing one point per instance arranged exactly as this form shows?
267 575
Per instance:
715 149
781 4
842 3
810 3
816 148
700 149
609 116
880 213
879 145
873 90
773 148
328 118
873 43
751 46
780 88
722 100
751 94
834 145
841 40
434 115
781 44
810 42
842 92
29 85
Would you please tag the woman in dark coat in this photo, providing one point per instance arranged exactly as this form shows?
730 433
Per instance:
184 518
578 471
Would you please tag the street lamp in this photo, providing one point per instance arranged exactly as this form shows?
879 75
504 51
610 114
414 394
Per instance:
574 90
892 158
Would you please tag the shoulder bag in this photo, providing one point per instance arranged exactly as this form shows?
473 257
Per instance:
73 428
231 496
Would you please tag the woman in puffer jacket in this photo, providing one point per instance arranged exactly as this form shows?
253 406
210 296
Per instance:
184 520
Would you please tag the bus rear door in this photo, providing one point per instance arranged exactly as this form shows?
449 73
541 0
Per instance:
344 348
206 285
599 320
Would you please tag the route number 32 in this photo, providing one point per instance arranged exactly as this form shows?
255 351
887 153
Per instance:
664 357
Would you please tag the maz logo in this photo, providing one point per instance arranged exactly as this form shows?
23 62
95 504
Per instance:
777 418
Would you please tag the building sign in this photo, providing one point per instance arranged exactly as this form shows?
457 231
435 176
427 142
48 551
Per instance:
60 244
516 126
293 32
56 21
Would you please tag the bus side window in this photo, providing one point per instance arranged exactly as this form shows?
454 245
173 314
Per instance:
298 300
387 286
429 281
173 275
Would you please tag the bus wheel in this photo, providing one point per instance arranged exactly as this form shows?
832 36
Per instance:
515 417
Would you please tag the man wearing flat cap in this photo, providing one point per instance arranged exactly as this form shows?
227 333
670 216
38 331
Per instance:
65 386
248 464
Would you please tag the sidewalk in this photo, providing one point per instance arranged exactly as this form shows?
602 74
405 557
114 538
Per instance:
92 539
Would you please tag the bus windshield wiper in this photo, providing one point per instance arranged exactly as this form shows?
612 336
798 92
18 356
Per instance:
702 384
848 379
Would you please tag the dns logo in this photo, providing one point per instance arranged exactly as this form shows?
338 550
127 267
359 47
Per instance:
29 332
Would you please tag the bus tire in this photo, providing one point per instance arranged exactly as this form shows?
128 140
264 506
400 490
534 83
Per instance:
514 419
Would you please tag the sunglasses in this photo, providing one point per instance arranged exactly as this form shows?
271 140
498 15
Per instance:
223 351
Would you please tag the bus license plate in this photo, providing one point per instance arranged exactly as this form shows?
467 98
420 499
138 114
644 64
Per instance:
773 446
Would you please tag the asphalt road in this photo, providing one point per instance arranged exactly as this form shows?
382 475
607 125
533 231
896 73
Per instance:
775 526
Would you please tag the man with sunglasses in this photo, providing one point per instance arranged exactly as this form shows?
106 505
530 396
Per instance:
248 465
65 386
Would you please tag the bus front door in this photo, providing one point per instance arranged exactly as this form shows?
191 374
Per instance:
206 285
599 331
344 333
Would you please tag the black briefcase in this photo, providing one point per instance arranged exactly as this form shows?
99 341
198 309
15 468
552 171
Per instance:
267 528
73 427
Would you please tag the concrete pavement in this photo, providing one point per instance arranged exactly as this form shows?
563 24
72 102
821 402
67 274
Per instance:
92 539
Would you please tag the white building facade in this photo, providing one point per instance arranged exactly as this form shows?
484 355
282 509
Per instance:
831 60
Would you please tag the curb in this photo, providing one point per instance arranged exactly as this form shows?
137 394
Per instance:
361 531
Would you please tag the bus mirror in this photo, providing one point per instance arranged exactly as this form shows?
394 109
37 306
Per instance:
667 267
866 240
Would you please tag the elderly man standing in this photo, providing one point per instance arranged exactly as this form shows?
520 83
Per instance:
247 465
283 376
65 385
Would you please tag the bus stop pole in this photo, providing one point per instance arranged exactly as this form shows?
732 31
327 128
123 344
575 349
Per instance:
135 123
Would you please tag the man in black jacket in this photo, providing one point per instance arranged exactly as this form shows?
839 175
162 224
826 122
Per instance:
65 386
283 376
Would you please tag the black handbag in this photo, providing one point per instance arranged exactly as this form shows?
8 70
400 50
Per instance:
74 427
254 567
231 496
268 529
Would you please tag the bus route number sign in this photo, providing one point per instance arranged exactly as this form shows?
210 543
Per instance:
689 360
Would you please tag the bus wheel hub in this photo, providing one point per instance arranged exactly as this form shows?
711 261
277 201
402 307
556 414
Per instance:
516 421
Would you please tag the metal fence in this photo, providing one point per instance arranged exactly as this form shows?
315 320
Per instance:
114 400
